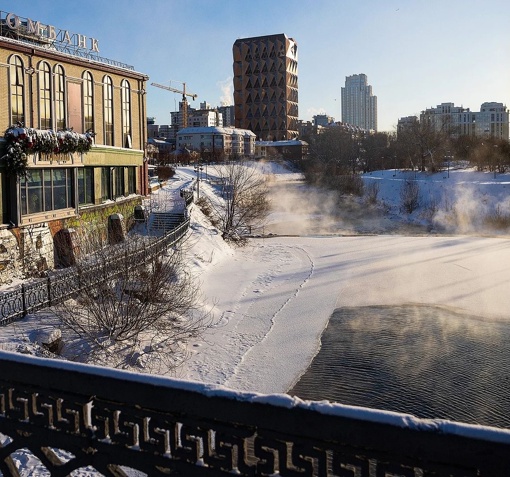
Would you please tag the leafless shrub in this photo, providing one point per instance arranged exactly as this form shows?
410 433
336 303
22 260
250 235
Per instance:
497 219
371 191
409 196
132 304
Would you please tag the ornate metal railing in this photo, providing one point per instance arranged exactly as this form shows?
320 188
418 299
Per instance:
61 284
71 416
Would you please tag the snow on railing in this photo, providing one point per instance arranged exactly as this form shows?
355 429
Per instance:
72 416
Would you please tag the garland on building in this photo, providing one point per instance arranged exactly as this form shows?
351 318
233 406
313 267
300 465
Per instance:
22 141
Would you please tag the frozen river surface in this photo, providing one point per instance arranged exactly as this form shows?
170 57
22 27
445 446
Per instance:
423 360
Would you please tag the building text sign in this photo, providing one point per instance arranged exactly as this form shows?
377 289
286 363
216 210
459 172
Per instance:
25 27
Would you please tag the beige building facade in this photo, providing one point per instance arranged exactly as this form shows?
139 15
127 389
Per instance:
78 121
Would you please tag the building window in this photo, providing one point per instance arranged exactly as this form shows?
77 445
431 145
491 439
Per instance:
86 185
45 118
131 180
46 189
88 101
60 110
105 184
108 110
17 90
126 113
118 182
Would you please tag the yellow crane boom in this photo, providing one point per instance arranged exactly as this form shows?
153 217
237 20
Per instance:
184 100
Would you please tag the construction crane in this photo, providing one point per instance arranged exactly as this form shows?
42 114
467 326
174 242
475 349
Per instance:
184 100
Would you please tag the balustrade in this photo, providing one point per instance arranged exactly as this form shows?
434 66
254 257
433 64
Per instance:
71 416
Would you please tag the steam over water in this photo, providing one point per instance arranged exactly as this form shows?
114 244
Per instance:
426 361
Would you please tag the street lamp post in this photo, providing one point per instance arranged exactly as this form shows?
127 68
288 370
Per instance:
495 165
198 168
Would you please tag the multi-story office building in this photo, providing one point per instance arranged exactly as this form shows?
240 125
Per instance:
359 105
79 123
266 86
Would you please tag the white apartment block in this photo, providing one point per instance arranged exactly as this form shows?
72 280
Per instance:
230 141
492 120
359 105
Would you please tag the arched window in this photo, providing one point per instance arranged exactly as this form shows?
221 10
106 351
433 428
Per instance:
60 109
45 118
17 91
126 113
108 110
88 101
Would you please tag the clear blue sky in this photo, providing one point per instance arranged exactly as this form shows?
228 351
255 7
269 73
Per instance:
416 54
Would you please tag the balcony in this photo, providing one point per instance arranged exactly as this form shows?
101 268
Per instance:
71 416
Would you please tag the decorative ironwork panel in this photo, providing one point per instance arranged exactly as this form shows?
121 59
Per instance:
158 426
62 284
11 306
35 295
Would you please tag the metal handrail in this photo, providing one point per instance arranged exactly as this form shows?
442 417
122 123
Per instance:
61 284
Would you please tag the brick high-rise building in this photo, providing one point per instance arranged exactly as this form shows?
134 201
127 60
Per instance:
266 86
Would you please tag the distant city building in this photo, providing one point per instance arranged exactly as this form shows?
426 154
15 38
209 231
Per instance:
204 118
266 86
230 142
454 120
322 120
152 128
161 145
359 105
305 128
406 123
227 112
292 150
491 121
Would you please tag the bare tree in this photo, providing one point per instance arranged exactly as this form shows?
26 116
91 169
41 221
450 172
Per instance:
245 201
131 305
410 196
424 144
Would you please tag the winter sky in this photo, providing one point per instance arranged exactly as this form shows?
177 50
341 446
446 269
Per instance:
416 54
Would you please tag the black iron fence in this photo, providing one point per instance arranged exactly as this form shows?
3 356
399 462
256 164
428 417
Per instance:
61 284
71 416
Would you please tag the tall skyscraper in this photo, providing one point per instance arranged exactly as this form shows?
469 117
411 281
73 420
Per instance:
359 106
266 86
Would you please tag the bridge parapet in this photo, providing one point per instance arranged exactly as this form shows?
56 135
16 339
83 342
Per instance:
114 420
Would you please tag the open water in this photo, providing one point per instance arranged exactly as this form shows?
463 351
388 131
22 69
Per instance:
427 361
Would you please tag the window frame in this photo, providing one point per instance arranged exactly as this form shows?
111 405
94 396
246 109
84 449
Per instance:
108 113
59 91
16 90
125 91
45 96
88 101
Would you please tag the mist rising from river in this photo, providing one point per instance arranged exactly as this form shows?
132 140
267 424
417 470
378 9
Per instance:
427 361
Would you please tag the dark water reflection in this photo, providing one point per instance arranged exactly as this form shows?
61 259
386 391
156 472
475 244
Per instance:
426 361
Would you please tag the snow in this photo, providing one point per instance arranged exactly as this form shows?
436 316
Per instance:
272 299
